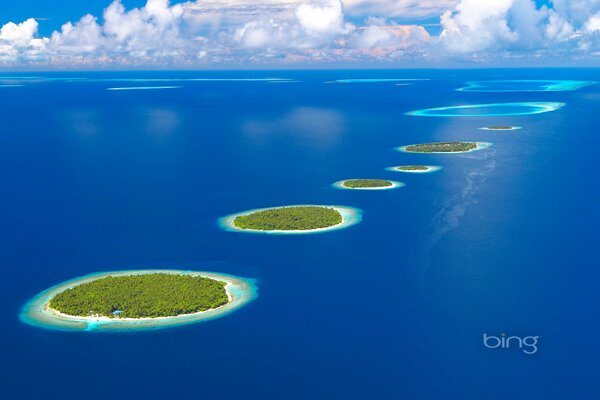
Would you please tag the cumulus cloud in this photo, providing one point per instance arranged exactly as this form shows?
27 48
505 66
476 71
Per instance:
18 42
399 8
475 25
515 27
217 32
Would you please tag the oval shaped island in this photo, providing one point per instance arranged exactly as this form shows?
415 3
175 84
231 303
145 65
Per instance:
137 300
415 169
367 184
444 147
295 219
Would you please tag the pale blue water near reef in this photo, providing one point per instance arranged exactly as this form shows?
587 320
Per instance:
489 110
499 240
525 85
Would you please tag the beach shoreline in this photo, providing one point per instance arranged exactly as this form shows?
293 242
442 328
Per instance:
480 146
37 311
394 185
350 216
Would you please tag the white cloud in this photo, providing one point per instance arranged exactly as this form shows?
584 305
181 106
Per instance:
516 27
18 41
475 25
399 8
322 18
242 32
558 27
593 23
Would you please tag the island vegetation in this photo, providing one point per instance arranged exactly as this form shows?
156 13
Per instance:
413 168
290 218
366 183
500 128
441 147
141 296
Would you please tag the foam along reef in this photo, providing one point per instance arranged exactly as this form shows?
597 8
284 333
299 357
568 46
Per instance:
137 300
500 128
291 220
525 85
489 110
444 147
415 169
367 184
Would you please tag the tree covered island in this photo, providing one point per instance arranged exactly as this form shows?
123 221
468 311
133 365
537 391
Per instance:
141 296
441 147
295 218
500 128
366 183
417 168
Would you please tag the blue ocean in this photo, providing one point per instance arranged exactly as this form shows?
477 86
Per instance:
97 175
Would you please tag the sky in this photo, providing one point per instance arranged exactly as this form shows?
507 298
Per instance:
97 34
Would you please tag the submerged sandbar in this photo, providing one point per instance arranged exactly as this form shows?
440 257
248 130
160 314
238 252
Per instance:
53 307
525 85
378 80
500 128
489 110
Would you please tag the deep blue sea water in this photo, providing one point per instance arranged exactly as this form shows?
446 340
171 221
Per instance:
503 240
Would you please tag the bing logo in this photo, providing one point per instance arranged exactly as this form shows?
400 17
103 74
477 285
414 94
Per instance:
528 344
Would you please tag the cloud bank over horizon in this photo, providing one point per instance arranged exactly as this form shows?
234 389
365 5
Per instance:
296 32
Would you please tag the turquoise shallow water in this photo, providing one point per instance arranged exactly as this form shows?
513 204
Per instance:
531 85
350 215
376 80
489 110
242 291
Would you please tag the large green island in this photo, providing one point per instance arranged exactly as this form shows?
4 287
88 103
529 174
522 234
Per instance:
141 296
367 184
137 300
292 219
444 147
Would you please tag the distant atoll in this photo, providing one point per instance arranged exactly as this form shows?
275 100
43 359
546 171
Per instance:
296 219
444 147
127 88
500 128
525 85
489 110
137 300
378 80
415 169
367 184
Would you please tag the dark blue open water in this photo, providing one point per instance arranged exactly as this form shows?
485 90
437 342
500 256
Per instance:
500 240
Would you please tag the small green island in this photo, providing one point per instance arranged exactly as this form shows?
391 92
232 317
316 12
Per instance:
415 169
137 300
290 219
141 296
366 183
